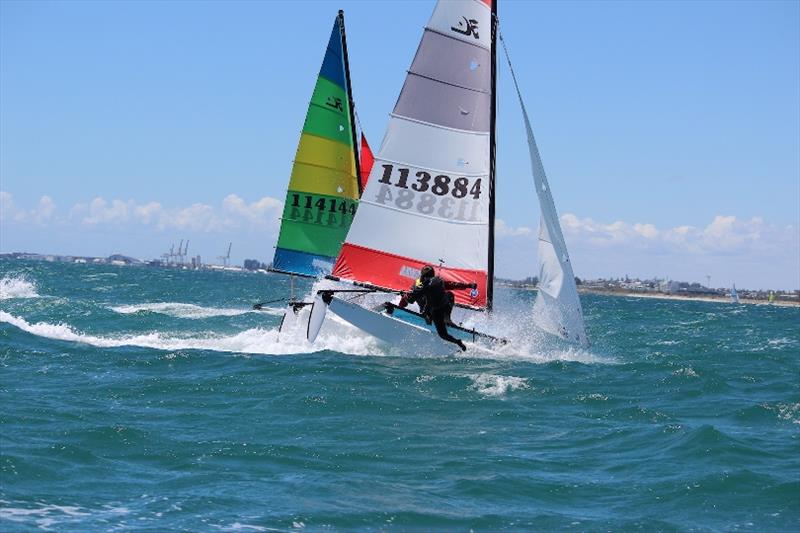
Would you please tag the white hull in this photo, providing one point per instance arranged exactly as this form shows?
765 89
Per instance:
404 338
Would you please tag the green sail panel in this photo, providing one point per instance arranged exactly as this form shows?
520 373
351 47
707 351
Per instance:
329 113
314 223
322 196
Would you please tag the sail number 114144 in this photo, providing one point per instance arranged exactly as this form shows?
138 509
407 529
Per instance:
439 195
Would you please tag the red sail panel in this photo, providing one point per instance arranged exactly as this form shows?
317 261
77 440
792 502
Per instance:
366 160
386 270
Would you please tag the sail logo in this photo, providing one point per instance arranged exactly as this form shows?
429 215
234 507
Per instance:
410 272
467 27
335 103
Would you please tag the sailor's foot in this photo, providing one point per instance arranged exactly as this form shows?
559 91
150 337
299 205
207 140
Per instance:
462 345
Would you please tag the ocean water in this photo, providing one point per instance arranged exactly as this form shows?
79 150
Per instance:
149 399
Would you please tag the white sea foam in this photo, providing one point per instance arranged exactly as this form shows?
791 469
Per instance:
17 287
534 346
686 371
783 341
184 310
238 526
494 385
251 341
44 516
789 412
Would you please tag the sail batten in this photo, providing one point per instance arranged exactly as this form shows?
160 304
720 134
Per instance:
450 84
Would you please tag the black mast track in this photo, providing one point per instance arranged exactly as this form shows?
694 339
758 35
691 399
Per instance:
492 154
356 149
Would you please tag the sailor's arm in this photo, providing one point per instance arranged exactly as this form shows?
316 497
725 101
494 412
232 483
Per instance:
451 285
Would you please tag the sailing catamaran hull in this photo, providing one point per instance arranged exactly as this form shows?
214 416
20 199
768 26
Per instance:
404 337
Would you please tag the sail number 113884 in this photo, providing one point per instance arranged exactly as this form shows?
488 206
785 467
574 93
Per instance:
440 185
439 195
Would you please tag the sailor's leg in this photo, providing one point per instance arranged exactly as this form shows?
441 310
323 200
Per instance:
451 301
441 328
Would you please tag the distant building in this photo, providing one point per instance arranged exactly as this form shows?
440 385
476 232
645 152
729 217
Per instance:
254 264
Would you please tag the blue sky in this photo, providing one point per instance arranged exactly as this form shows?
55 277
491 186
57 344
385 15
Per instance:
670 131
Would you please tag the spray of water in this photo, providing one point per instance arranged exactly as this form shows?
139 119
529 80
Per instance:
17 286
184 310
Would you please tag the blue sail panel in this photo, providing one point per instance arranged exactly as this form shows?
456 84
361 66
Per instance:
302 263
333 64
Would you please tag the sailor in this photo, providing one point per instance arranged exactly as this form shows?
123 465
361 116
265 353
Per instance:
435 300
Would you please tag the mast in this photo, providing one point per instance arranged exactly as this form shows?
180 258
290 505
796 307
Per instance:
350 102
492 154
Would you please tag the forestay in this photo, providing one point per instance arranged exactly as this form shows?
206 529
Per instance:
428 197
323 189
557 309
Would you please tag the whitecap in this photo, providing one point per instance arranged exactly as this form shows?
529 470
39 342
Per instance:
250 341
17 287
495 385
783 341
181 310
44 516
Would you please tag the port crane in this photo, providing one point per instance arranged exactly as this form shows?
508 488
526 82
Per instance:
227 257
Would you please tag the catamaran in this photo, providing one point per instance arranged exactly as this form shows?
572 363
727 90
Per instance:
430 198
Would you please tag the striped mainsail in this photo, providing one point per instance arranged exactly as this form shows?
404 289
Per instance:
428 197
323 189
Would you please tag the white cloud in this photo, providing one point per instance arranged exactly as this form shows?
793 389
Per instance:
40 215
8 210
147 213
501 229
264 211
234 213
101 212
723 235
196 217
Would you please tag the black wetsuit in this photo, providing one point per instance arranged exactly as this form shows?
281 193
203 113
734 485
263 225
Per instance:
435 303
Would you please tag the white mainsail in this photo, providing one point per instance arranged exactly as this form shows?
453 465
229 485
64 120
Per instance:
428 199
734 295
557 309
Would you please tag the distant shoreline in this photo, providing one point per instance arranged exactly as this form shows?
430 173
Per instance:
692 298
662 296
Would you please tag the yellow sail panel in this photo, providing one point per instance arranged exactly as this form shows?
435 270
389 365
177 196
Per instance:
316 150
322 180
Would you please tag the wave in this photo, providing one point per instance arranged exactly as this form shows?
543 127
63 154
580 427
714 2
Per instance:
183 310
535 347
45 515
335 335
251 341
494 385
17 287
